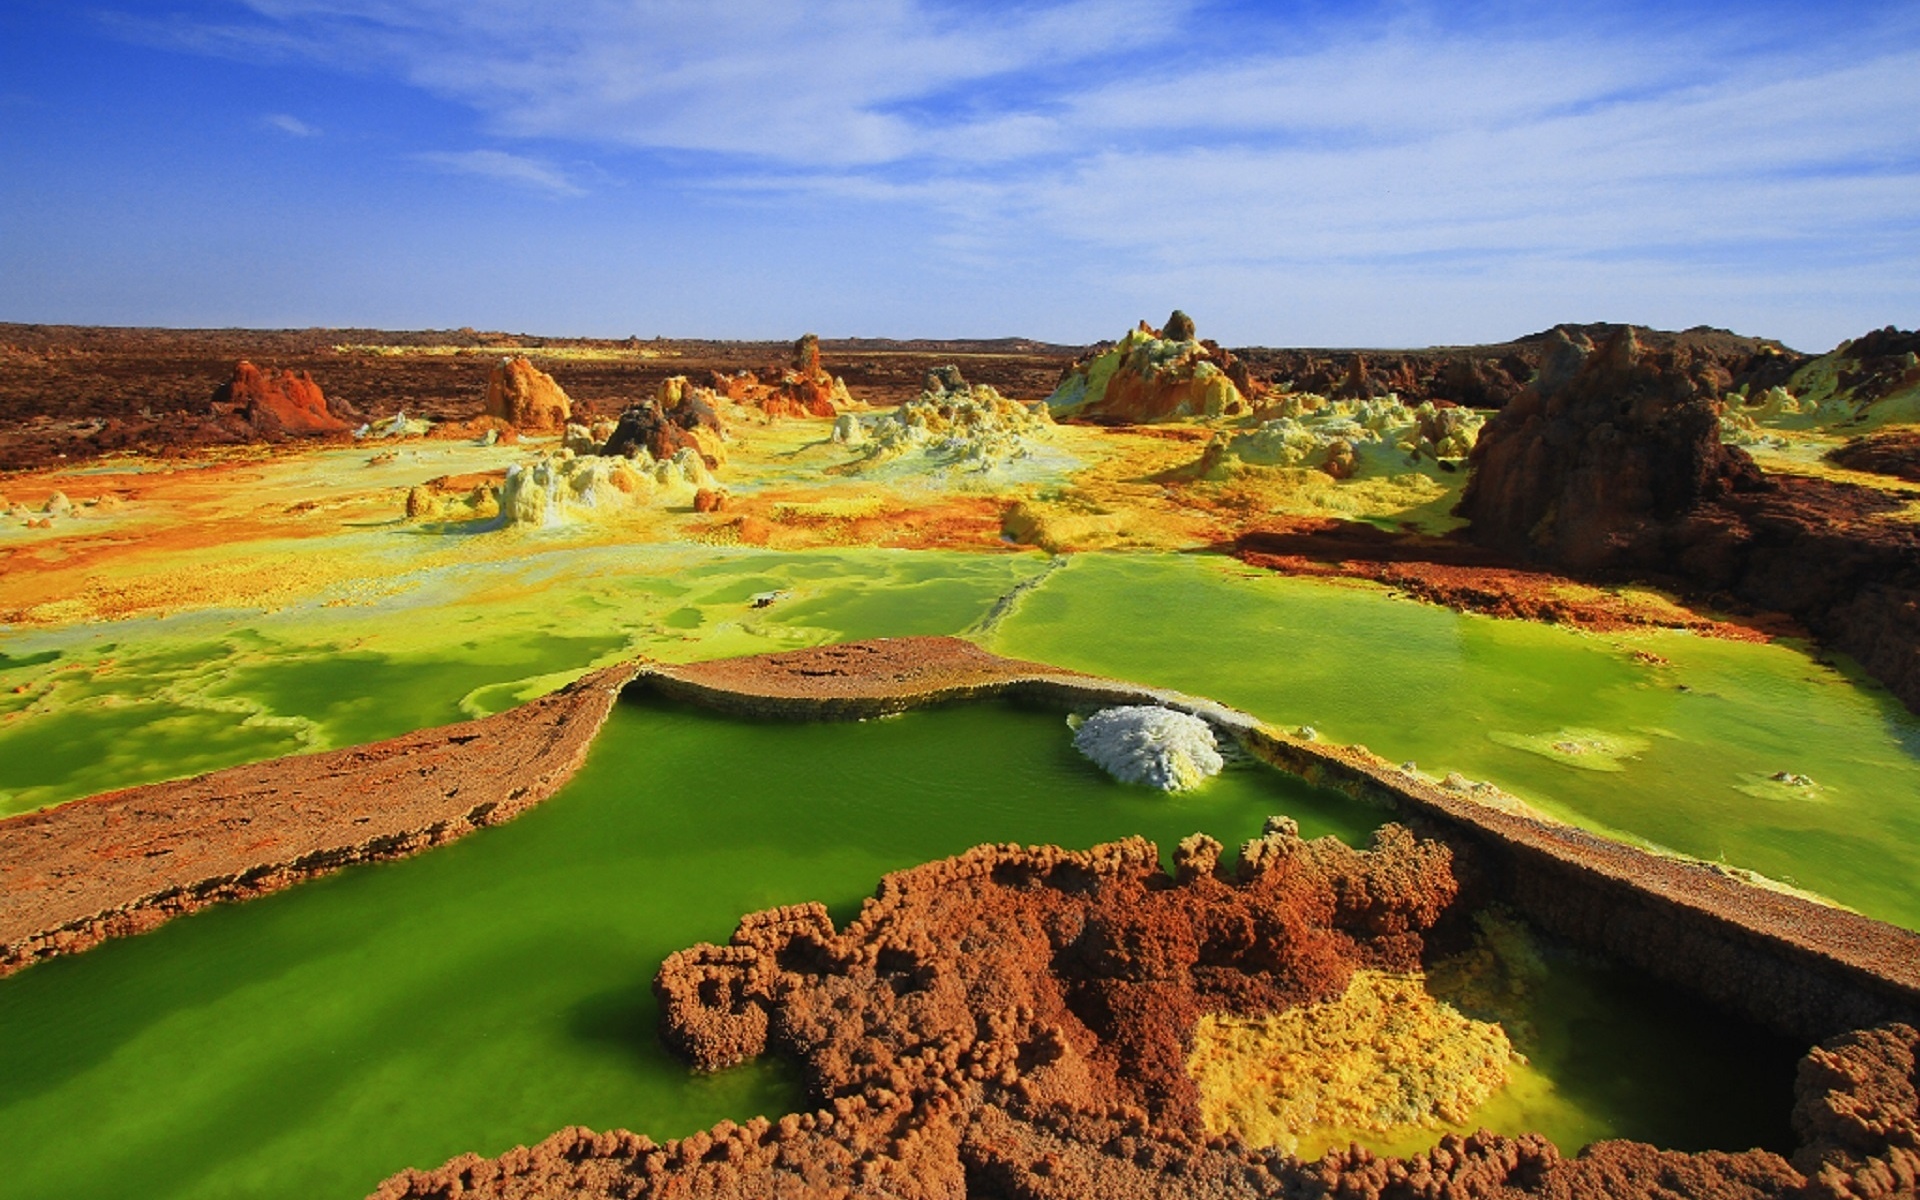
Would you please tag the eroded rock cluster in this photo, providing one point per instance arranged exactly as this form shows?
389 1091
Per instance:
680 417
1015 1022
801 387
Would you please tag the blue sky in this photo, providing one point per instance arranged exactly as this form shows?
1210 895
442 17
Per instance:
1291 174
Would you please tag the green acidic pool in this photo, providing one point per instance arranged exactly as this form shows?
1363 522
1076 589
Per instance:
92 708
1680 755
495 990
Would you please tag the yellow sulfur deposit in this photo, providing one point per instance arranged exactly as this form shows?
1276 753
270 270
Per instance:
1385 1055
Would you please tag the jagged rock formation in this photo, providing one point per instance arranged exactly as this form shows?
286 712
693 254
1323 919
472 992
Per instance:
805 389
526 396
1858 1114
1153 375
1874 379
801 387
1612 463
1607 445
680 417
1492 376
279 403
1012 1022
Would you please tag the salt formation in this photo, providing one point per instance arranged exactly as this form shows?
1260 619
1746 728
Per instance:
1345 438
1871 381
1154 375
956 430
522 393
1143 743
564 487
399 425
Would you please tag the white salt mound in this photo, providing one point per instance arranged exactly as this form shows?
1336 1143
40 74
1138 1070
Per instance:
1143 743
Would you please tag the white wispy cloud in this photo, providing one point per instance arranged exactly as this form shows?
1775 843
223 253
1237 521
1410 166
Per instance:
291 125
1397 143
502 167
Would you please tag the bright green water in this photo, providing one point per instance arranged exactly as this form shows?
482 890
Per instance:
1696 741
101 707
495 990
1679 755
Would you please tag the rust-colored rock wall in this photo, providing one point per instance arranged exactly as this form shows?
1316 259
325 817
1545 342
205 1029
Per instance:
526 396
277 403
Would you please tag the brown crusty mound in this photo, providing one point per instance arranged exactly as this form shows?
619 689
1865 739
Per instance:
1012 1022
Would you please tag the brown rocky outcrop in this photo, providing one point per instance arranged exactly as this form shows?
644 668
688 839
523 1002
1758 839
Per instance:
1611 464
799 387
803 389
526 396
1491 376
1894 452
1858 1114
279 403
680 417
1608 445
1878 364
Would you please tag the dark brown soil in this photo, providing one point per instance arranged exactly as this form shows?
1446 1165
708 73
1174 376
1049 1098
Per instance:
78 392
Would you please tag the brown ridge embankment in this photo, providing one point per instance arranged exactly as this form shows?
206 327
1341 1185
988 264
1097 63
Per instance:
1796 965
124 862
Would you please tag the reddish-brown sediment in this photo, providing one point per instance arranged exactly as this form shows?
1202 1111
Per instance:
127 861
1464 577
853 679
1013 1022
1611 466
